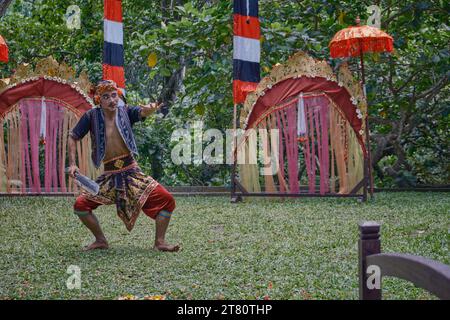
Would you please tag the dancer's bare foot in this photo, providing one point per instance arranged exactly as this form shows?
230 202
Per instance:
97 244
162 246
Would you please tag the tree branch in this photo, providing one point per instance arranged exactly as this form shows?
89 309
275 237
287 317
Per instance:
407 81
435 89
386 22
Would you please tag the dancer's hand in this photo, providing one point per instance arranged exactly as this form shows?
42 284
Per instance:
72 169
150 108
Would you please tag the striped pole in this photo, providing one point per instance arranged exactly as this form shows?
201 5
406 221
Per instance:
113 54
246 67
246 48
3 50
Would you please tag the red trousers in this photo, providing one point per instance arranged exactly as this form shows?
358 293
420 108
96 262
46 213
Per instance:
158 200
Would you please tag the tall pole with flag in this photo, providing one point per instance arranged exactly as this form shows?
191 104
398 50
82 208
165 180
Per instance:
113 53
3 50
246 61
246 48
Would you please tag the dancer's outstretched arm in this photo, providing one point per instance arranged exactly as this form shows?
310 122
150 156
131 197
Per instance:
149 109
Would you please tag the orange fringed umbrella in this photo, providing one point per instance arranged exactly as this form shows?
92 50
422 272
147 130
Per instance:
357 40
353 42
3 50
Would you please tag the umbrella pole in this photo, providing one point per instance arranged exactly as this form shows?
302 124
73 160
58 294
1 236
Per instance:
369 156
233 168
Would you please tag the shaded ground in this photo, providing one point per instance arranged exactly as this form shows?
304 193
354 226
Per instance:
293 249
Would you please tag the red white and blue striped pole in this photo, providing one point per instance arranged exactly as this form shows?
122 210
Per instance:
246 48
3 50
246 66
113 53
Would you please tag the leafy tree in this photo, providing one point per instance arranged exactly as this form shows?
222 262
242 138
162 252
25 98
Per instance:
180 52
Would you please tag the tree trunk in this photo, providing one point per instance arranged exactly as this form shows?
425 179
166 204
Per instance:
172 87
3 6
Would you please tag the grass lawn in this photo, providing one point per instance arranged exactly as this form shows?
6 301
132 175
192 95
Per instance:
292 249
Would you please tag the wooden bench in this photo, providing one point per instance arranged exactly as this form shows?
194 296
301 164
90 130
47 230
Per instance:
430 275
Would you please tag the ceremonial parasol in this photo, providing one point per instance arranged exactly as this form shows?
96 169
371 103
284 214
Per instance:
353 42
356 40
3 50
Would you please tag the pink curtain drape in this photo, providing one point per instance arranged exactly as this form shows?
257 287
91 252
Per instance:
314 143
287 118
316 149
30 125
55 117
54 159
281 152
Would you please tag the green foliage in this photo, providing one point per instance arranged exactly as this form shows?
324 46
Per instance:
408 91
37 29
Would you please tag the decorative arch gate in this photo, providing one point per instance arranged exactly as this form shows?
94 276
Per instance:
37 110
318 148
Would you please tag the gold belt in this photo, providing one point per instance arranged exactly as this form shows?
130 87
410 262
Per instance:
119 163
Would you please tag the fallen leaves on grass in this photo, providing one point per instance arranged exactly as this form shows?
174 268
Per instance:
156 297
305 295
149 297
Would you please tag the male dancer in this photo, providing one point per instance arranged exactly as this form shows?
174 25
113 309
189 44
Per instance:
122 183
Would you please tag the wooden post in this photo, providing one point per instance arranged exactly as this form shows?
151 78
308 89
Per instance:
366 176
367 132
234 199
369 243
